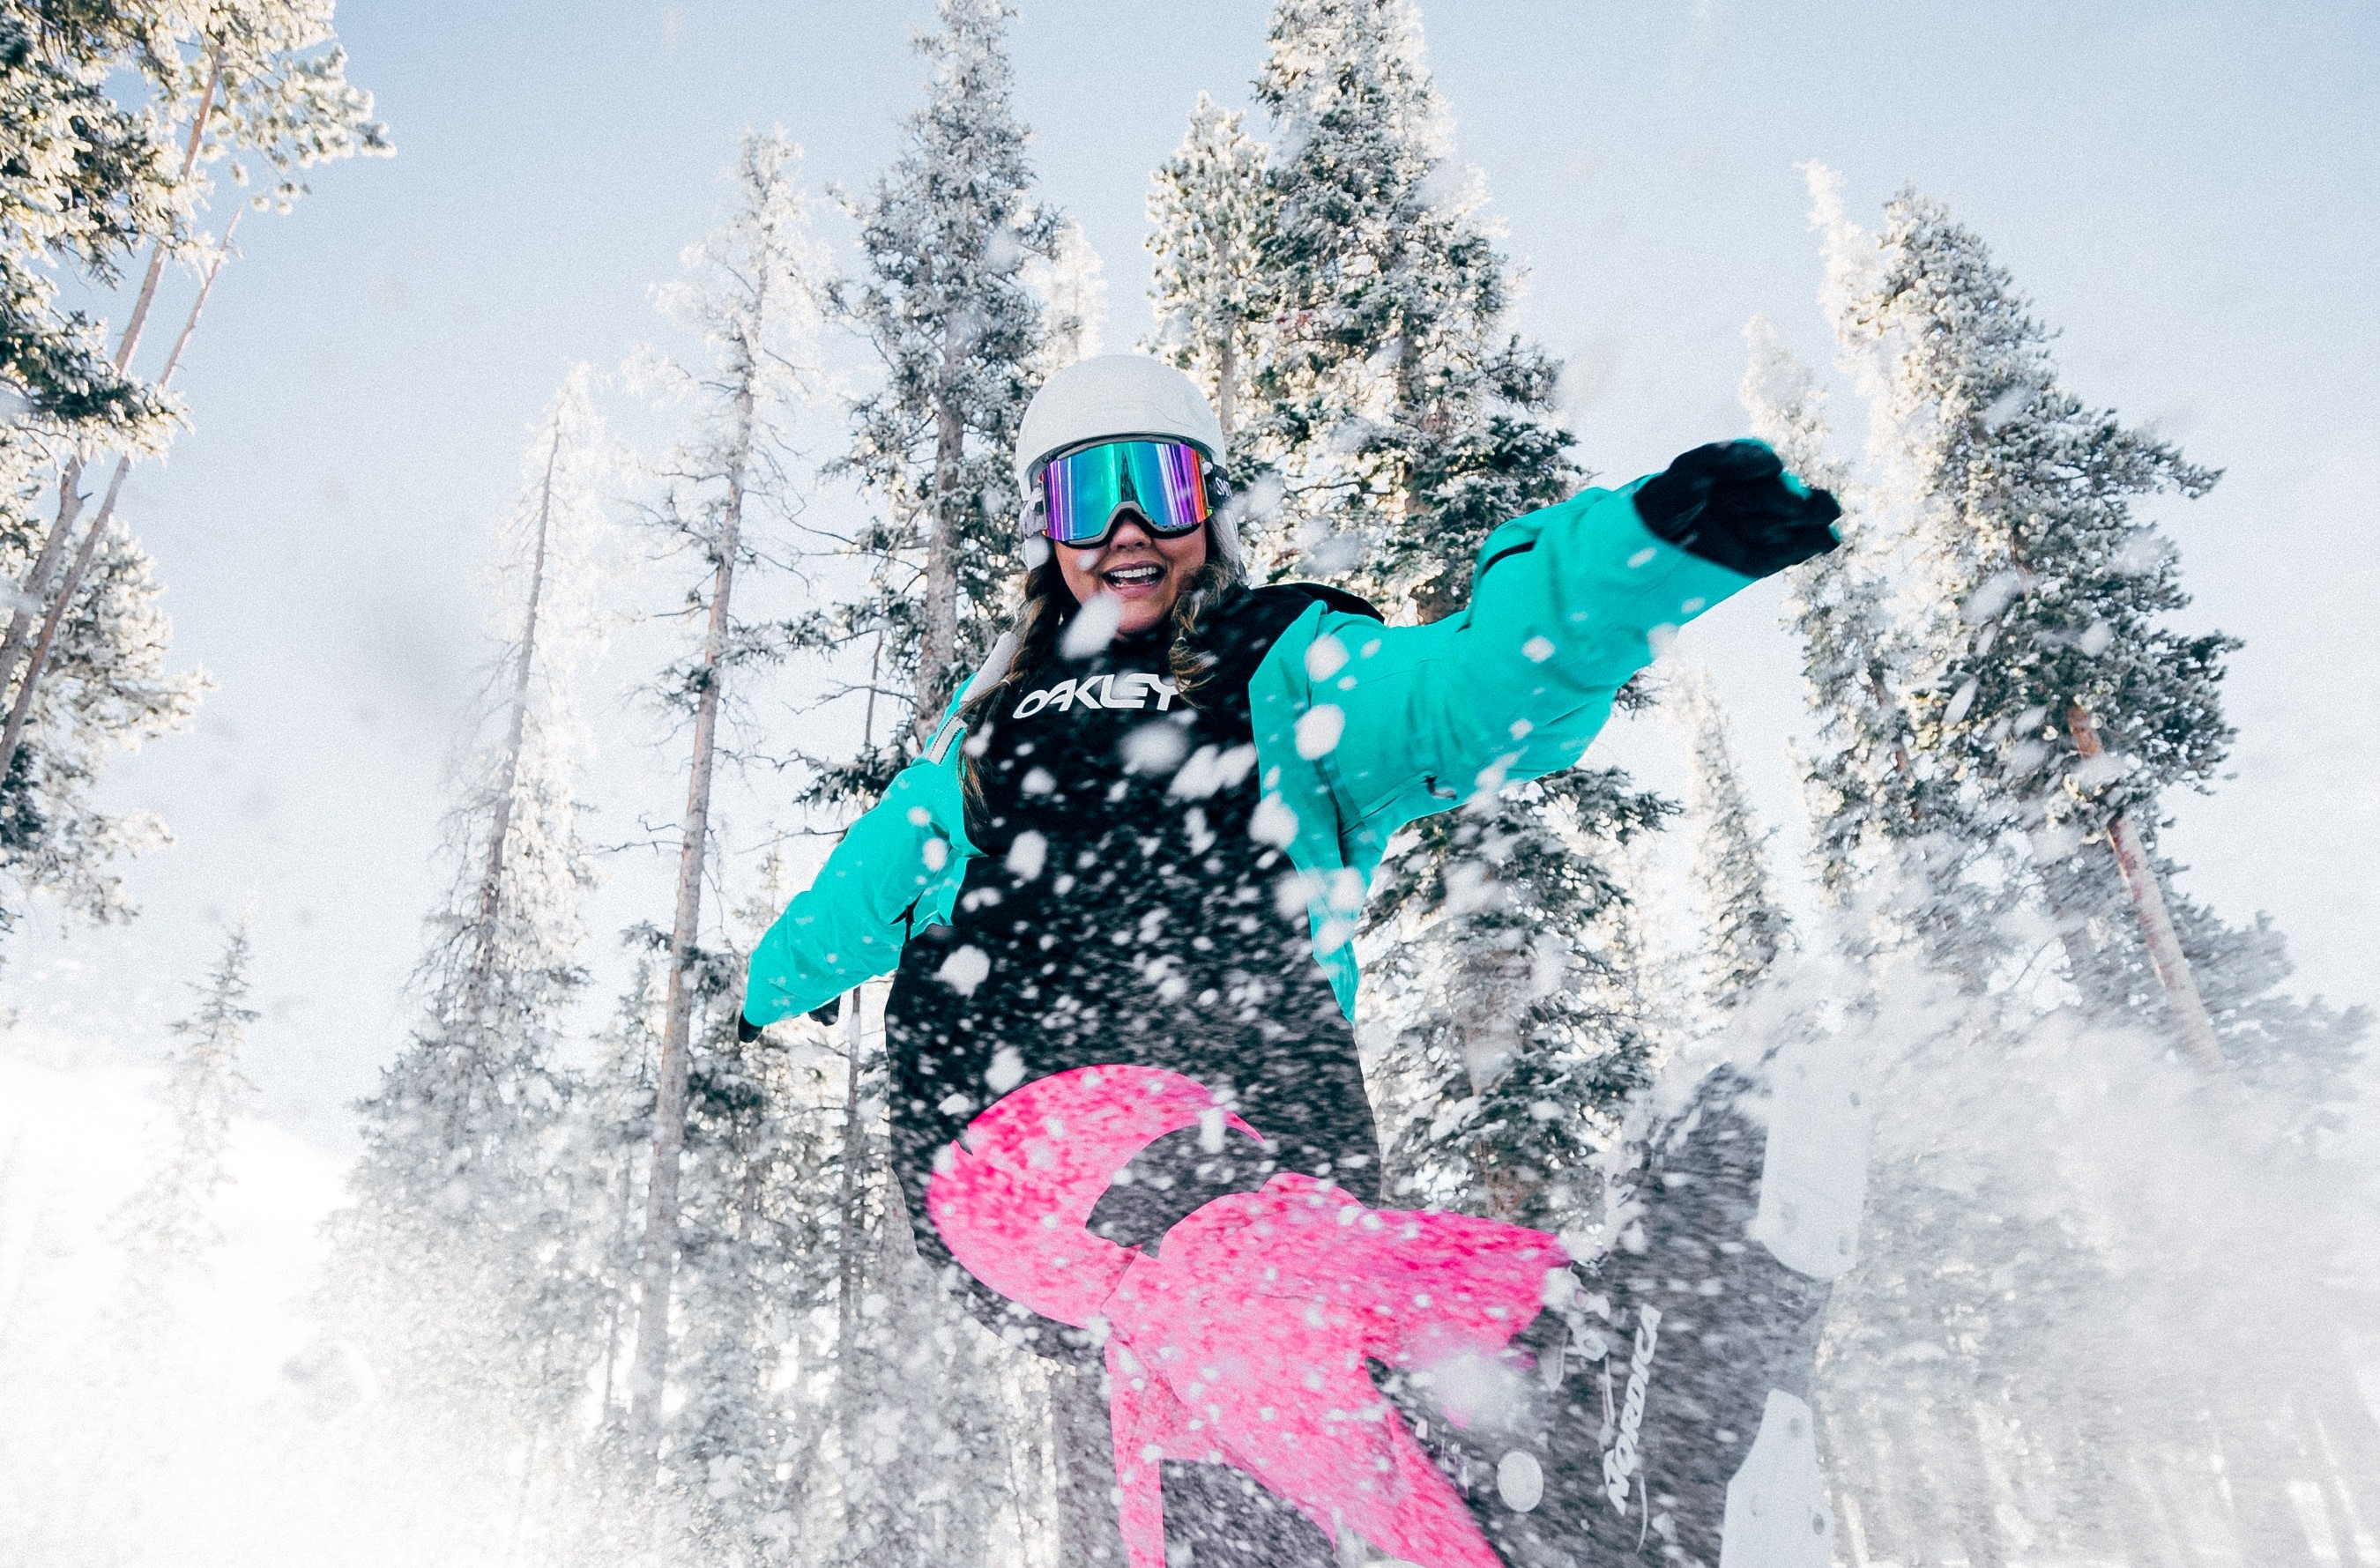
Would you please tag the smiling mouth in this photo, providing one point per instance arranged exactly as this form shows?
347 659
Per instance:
1142 575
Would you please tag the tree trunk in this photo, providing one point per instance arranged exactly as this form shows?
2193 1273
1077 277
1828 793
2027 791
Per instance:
1227 376
613 1313
483 956
69 505
659 1264
936 676
34 590
2190 1019
851 1261
129 342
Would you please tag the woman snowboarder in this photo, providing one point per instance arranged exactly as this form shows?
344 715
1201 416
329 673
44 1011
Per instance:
1118 885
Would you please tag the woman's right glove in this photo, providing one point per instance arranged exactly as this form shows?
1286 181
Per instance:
1733 503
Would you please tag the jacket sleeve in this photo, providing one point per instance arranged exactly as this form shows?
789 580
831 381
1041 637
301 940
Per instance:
897 869
1566 605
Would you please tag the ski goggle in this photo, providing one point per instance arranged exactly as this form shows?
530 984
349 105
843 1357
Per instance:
1082 491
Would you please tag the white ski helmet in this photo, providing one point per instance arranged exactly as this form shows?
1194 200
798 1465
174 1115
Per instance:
1110 396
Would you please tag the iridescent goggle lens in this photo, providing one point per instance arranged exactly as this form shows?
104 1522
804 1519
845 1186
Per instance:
1164 480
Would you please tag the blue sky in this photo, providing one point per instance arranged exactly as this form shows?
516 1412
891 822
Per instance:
2191 193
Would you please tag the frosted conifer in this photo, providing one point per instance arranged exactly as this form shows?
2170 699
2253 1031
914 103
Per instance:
946 305
1209 213
757 1206
167 1227
1503 1006
752 295
87 180
1863 788
1402 416
258 82
1745 929
2044 703
455 1263
469 1100
2047 694
1071 284
107 690
1405 420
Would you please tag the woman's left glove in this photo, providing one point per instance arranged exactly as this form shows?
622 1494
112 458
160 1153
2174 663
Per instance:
1733 503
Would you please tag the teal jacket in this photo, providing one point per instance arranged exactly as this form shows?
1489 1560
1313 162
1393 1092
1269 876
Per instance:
1360 729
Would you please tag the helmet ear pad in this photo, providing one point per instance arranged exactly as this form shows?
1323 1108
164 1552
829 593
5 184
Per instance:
1222 527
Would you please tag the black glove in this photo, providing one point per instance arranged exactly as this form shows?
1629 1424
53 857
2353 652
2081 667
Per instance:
1729 503
746 1031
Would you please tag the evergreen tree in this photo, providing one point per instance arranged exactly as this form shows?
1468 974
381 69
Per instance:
1071 284
87 180
468 1102
947 307
108 691
1744 930
1403 417
1209 213
1996 648
2304 1055
1867 797
1506 987
452 1261
259 80
2048 692
753 296
167 1227
1405 421
757 1215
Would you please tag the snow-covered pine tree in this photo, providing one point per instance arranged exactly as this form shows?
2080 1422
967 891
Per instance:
1504 985
262 80
502 964
1071 284
599 1494
958 330
1209 210
1862 787
267 79
167 1227
1745 931
451 1262
1891 852
757 1235
2049 693
753 296
1402 416
1405 421
107 691
2047 704
87 180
